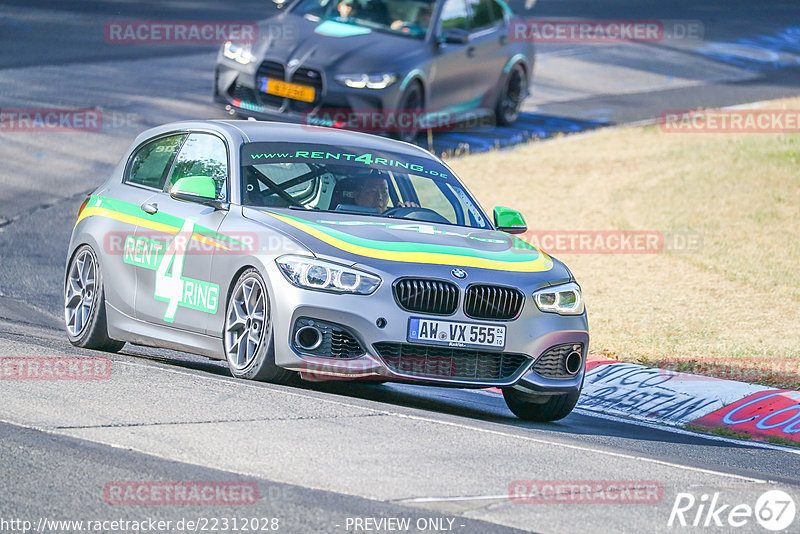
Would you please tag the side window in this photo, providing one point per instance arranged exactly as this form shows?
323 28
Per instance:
203 155
152 162
454 15
485 14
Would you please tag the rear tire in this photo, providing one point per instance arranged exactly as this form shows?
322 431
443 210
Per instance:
85 303
543 408
512 93
248 337
410 102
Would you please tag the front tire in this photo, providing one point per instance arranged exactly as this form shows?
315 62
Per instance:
85 303
248 336
541 408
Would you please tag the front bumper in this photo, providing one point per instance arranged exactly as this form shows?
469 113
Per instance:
236 87
377 320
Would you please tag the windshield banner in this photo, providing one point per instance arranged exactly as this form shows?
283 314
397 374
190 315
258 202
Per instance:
265 153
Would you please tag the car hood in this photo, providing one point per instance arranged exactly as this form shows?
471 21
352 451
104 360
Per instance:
352 239
343 48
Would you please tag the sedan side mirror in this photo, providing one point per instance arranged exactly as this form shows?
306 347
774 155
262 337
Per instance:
199 189
455 36
510 221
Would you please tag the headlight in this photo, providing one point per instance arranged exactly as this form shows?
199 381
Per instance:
564 299
240 53
369 81
310 273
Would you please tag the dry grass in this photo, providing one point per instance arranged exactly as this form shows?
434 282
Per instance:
736 299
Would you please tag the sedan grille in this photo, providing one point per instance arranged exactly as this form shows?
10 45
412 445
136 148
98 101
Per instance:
274 70
311 78
493 302
449 363
427 296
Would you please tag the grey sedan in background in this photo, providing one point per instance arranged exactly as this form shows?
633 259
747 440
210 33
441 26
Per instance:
332 62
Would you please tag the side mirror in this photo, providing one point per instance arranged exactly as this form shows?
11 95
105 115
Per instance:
280 4
455 36
508 220
199 189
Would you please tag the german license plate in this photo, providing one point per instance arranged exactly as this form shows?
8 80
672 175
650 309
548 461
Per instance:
288 90
456 334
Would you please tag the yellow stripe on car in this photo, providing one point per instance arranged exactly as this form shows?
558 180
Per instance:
145 223
541 263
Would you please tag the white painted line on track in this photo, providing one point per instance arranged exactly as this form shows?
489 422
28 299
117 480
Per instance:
587 449
454 499
453 425
513 436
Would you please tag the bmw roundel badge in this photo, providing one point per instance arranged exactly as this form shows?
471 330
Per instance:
459 273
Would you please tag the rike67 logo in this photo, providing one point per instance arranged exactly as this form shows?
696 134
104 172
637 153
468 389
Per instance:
774 510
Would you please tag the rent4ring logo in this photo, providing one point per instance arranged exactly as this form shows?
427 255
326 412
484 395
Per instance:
172 287
774 510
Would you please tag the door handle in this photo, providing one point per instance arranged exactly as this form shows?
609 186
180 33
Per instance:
471 51
503 39
150 208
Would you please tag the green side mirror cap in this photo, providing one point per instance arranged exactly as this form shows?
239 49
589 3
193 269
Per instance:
508 220
198 186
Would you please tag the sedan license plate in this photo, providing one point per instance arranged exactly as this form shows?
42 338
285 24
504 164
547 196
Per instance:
288 90
455 334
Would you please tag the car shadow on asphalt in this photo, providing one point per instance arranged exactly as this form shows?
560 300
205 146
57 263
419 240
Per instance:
477 405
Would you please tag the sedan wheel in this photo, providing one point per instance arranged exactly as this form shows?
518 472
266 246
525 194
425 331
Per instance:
411 105
248 336
84 303
541 408
511 96
80 292
248 318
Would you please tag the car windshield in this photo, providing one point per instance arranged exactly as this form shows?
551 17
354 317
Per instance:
349 180
403 17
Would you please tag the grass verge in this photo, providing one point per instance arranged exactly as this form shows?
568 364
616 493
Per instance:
728 308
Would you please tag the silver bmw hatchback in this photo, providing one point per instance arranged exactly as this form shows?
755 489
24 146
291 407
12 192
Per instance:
306 253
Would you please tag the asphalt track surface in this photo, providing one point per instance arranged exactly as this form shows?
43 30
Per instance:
327 453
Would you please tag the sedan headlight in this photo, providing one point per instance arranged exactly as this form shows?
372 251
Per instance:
369 81
565 299
240 53
311 273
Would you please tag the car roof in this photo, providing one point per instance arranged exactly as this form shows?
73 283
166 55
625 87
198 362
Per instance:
265 131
